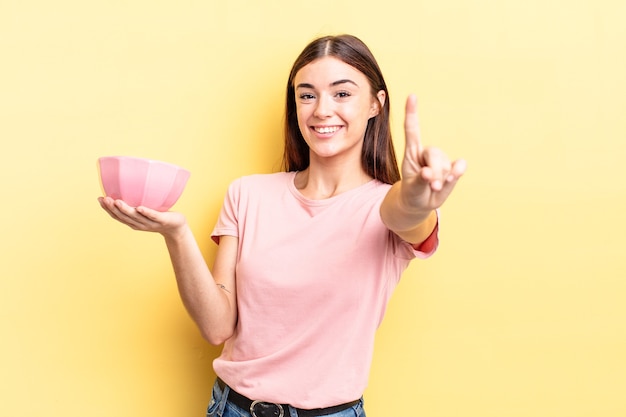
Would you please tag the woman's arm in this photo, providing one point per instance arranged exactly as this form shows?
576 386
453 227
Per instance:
428 178
210 298
412 226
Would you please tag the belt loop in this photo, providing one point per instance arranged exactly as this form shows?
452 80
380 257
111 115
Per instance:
223 399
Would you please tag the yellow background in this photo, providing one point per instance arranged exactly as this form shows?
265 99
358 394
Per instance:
521 312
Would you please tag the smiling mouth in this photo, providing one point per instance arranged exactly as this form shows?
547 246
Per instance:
326 129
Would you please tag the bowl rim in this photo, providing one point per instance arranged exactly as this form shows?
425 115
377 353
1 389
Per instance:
139 158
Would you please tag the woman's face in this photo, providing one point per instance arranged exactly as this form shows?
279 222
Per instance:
334 103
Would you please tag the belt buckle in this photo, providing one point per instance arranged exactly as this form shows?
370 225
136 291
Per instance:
266 409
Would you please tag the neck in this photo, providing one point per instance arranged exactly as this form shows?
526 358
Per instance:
319 182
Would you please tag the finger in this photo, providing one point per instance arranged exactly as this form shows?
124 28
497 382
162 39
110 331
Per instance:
129 215
458 169
412 127
124 208
108 204
149 214
437 167
116 215
129 212
433 178
126 214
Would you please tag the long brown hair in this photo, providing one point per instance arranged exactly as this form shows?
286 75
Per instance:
378 156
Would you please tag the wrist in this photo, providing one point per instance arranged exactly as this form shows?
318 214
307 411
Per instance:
411 202
176 233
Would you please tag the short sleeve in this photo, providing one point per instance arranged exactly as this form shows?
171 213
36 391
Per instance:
429 246
424 250
227 221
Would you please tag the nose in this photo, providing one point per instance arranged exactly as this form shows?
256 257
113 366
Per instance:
323 107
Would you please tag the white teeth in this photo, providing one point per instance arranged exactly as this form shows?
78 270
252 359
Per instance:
326 130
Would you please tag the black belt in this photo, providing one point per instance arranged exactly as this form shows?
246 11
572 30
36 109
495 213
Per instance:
265 409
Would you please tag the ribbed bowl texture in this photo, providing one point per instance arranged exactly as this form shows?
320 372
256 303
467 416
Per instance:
142 182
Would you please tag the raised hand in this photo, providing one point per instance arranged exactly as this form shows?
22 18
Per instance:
428 175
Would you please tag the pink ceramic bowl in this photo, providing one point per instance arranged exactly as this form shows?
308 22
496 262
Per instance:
142 182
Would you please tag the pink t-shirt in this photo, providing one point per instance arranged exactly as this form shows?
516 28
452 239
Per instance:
313 281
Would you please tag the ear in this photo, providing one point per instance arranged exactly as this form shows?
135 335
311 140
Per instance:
378 103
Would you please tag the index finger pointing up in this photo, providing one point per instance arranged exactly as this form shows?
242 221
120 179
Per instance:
412 125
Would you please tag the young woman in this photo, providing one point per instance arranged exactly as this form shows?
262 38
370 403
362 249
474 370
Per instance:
309 257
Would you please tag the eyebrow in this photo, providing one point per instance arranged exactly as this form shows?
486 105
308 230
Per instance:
333 84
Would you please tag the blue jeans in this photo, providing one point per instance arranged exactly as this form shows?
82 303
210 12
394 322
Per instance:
221 407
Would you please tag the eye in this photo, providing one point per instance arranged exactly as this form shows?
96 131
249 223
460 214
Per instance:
343 94
306 97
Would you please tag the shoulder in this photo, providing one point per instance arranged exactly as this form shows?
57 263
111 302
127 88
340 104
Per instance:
373 191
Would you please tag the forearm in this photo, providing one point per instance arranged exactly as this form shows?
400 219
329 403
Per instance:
210 306
412 224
